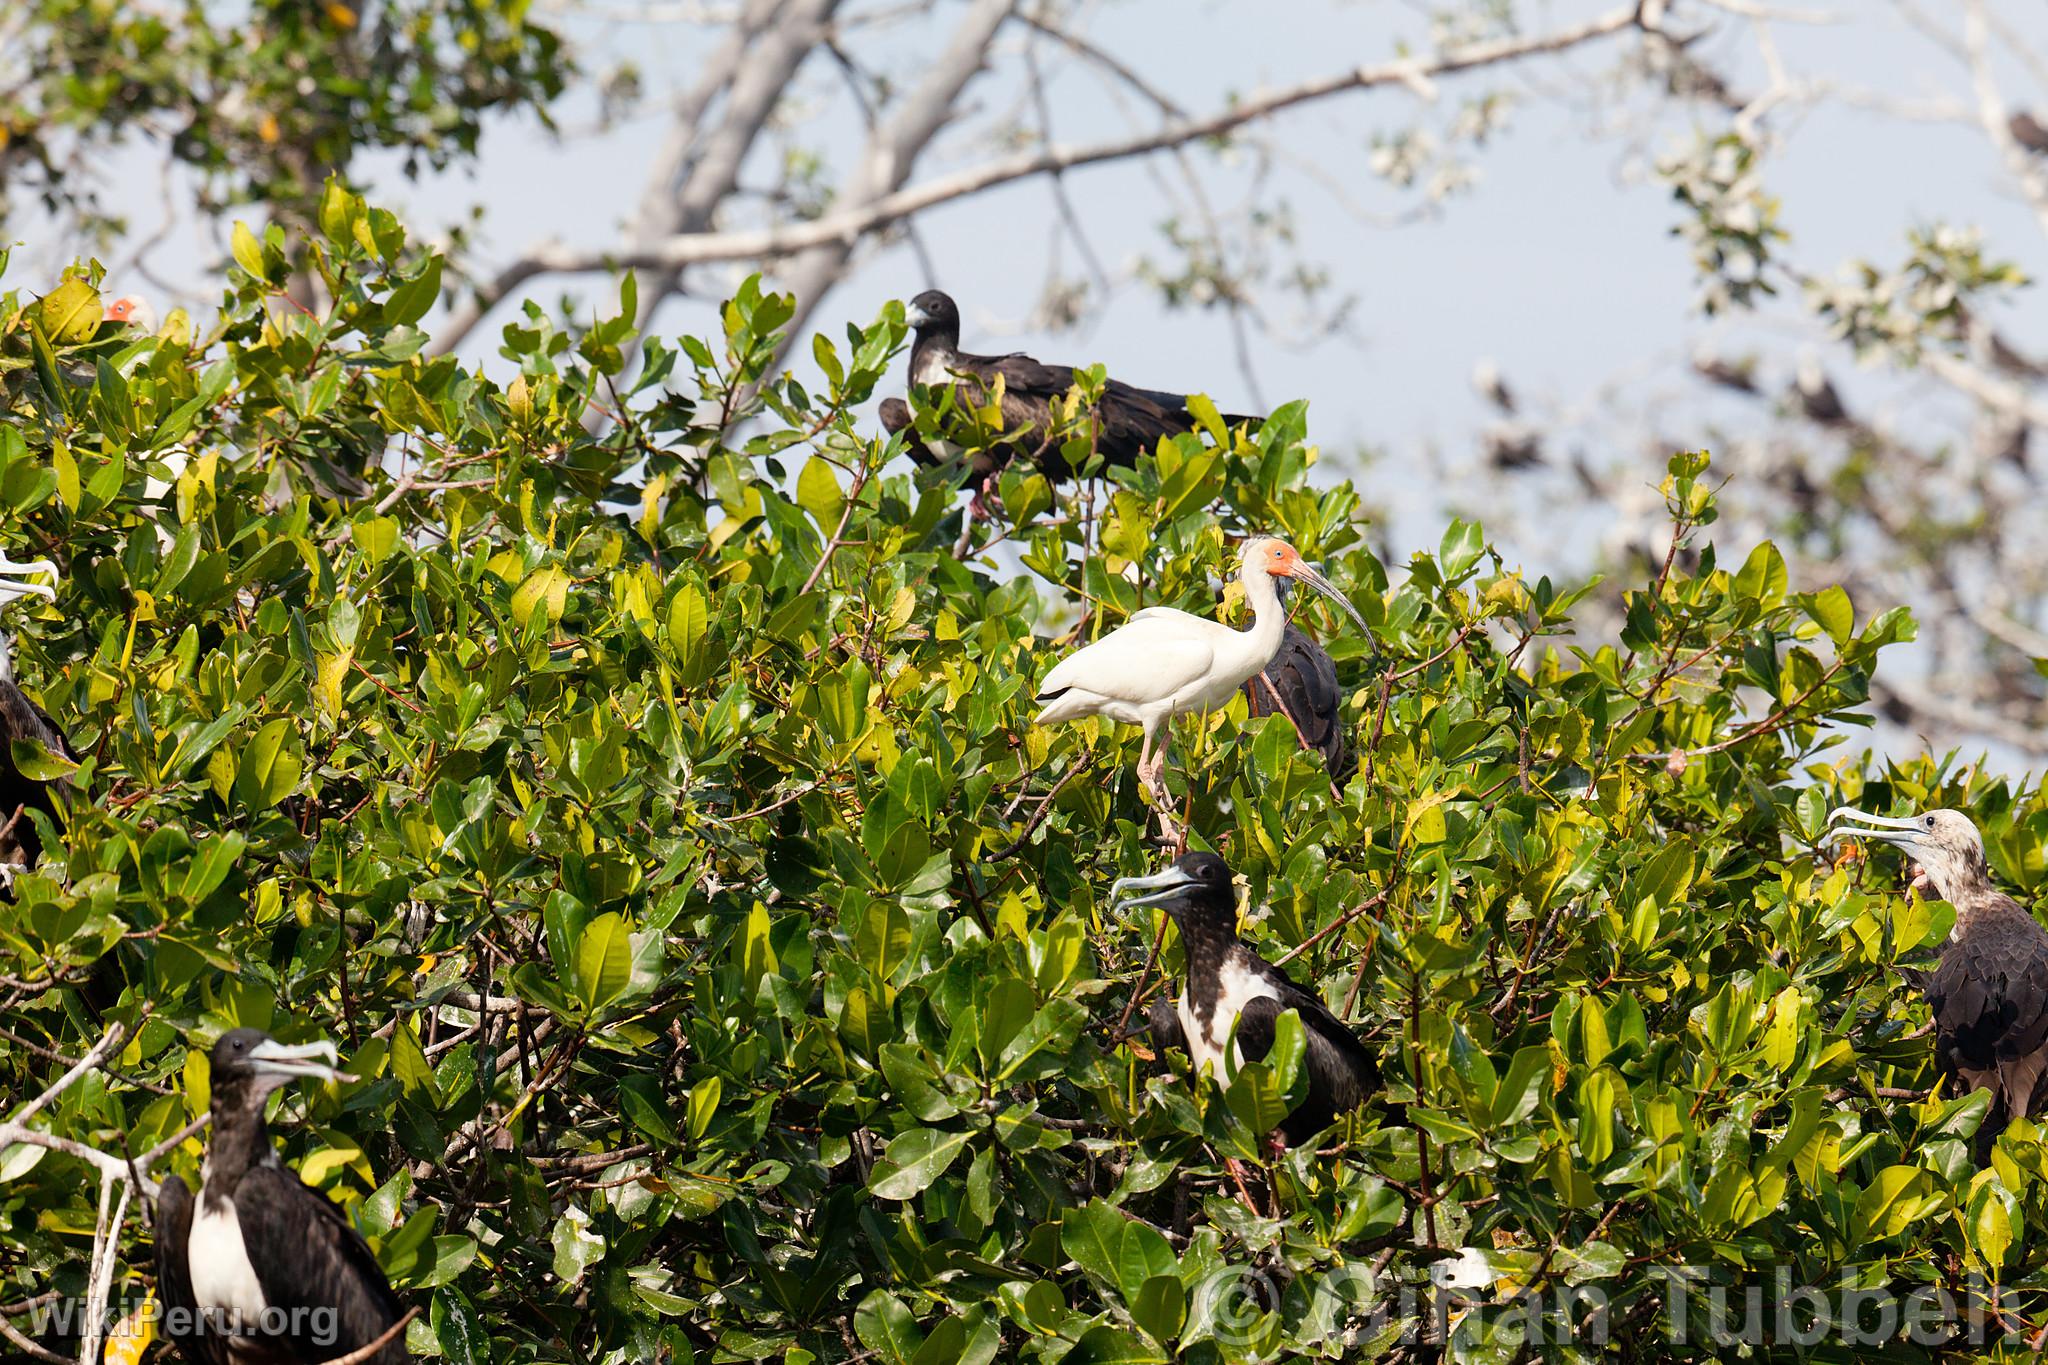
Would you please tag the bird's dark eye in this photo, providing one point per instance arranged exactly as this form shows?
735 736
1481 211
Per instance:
1929 822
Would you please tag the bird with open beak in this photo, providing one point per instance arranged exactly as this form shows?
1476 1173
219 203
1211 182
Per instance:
1164 662
1232 998
259 1268
1989 992
21 842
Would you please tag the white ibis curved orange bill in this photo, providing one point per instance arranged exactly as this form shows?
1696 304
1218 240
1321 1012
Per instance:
1164 662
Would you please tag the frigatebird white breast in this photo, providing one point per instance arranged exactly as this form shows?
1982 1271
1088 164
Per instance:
260 1268
1232 996
1989 992
1128 421
21 842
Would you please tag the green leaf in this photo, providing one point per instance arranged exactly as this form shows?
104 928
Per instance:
1898 1198
577 1248
70 313
416 297
1462 545
886 1327
604 961
545 590
1831 610
38 764
247 251
457 1328
818 492
1762 576
1160 1307
704 1097
268 770
914 1160
1517 1095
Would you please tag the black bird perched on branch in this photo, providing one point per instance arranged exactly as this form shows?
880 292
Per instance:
1989 992
1232 990
1301 684
1126 421
260 1268
21 843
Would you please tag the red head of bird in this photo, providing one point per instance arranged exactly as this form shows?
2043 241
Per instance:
133 310
1267 563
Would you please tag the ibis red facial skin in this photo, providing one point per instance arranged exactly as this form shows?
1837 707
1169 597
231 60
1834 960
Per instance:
1164 662
1989 992
134 311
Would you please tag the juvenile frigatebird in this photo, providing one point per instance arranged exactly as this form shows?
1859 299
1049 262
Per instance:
1126 421
21 843
260 1268
1163 661
1989 992
1231 991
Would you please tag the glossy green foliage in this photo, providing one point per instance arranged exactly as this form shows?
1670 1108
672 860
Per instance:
621 804
262 100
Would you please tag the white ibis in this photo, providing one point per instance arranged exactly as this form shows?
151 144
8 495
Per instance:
260 1268
1231 993
21 843
1989 992
134 311
1163 662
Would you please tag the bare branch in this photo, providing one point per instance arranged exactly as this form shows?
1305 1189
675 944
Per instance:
84 1064
837 233
1992 113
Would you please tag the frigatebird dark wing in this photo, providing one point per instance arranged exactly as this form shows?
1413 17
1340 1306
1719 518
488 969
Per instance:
178 1307
1301 684
1341 1071
1164 1025
308 1256
1130 421
1989 998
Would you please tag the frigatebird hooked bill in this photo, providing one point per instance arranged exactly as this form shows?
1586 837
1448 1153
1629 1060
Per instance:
1989 992
1231 994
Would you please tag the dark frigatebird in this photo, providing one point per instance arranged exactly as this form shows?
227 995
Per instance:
1231 990
260 1268
1126 421
21 843
1301 684
1989 992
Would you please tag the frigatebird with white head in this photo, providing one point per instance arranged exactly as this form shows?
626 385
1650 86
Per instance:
260 1268
1126 421
1233 998
1989 992
1164 662
21 843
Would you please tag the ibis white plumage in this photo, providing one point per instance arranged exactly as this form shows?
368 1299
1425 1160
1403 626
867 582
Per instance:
1164 662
